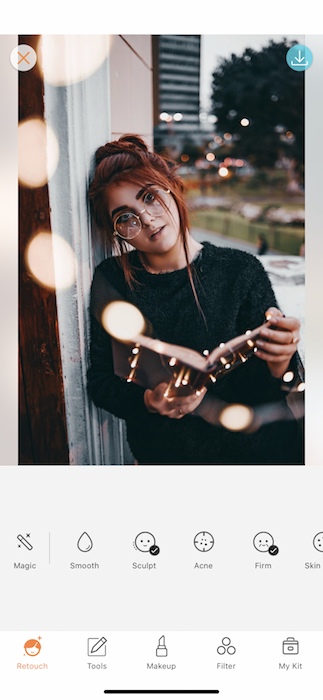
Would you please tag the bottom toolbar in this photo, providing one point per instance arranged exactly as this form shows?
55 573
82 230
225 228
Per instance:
38 664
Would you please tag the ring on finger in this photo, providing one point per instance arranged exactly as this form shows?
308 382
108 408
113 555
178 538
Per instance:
294 338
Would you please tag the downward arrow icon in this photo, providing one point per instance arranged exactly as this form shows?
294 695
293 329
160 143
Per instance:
299 59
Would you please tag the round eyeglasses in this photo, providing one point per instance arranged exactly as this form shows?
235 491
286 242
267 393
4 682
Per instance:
128 225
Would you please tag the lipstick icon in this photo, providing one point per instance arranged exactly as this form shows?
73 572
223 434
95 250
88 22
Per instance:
161 649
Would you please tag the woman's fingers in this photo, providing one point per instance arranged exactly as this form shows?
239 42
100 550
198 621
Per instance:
175 407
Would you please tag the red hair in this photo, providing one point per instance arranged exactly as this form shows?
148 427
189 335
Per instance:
129 160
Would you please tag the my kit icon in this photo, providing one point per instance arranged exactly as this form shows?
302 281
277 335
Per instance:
290 646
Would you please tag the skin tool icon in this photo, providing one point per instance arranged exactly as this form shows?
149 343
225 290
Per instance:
161 648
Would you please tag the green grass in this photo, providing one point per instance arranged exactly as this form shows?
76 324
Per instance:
283 239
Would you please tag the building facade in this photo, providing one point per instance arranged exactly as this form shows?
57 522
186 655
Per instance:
176 62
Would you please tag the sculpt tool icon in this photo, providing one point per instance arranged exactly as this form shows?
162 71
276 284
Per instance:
145 542
84 543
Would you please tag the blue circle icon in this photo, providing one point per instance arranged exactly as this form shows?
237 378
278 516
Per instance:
299 57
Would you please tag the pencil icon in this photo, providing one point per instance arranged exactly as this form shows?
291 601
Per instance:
98 645
24 542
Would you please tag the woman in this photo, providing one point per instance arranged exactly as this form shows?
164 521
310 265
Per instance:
193 295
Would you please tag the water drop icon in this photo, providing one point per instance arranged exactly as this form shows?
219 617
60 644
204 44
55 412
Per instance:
84 543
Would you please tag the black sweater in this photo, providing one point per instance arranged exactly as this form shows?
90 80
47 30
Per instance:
234 293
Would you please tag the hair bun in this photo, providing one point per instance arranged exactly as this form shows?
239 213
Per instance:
134 140
126 143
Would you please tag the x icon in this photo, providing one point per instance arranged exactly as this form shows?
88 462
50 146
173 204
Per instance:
23 58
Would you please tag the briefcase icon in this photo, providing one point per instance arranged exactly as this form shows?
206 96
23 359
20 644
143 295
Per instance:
290 646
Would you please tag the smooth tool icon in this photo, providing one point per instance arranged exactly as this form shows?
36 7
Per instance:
96 646
25 542
161 648
203 541
84 543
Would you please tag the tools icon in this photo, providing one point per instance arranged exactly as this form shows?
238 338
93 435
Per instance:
96 646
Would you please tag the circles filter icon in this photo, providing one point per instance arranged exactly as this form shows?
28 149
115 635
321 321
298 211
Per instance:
203 541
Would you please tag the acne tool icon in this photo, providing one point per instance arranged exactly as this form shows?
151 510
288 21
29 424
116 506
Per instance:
84 543
161 649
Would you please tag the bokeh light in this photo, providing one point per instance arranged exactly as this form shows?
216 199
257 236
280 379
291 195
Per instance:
185 157
227 136
68 59
210 156
288 376
223 172
236 417
244 121
178 116
123 320
51 261
38 153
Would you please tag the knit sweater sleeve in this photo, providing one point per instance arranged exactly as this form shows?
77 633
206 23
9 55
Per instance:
258 298
106 390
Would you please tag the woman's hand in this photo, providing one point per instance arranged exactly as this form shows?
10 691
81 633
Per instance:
277 347
176 407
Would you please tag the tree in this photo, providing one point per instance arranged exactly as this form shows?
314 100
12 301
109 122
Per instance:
260 86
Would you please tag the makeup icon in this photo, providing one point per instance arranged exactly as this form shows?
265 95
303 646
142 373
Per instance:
84 543
25 542
161 648
96 646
